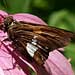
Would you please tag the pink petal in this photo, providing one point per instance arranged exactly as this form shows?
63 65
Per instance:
58 64
7 61
61 49
3 13
28 18
1 71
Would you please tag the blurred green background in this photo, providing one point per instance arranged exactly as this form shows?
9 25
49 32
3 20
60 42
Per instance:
59 13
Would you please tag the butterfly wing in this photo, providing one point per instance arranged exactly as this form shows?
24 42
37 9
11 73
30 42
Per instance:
38 40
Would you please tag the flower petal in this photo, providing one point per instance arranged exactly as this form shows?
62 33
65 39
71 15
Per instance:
3 13
28 18
1 71
7 61
58 64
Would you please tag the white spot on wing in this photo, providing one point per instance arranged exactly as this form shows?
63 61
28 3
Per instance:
35 37
12 24
31 49
34 41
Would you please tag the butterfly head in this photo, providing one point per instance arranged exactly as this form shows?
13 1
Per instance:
7 22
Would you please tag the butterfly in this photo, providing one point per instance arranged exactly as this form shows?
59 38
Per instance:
35 40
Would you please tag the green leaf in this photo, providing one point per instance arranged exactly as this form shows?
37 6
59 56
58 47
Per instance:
16 6
70 53
63 19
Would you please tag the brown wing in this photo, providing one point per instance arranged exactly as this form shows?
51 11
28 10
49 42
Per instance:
43 37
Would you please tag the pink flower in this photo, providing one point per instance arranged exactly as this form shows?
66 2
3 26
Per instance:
11 62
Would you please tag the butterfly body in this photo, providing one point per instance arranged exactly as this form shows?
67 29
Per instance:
36 40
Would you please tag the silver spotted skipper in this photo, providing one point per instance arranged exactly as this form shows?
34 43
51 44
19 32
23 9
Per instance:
36 40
